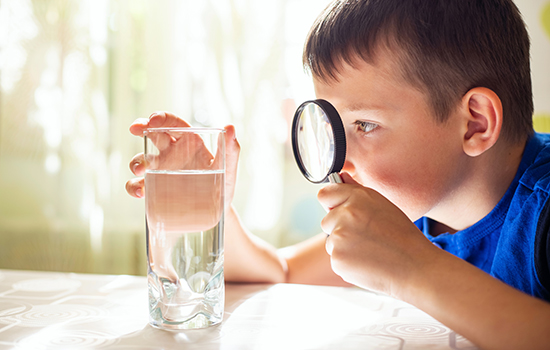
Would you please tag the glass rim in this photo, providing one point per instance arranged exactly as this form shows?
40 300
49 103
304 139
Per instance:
184 129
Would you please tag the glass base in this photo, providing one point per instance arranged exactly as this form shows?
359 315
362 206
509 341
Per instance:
180 310
198 322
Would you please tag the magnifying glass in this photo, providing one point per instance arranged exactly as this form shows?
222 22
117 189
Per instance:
319 141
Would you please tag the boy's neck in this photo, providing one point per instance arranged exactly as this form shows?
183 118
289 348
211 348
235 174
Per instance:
437 228
490 176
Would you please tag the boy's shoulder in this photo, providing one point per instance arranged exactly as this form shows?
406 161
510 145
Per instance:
523 253
536 164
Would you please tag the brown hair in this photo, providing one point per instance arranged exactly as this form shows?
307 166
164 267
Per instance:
444 48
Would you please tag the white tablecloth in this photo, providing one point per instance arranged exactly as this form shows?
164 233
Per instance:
46 310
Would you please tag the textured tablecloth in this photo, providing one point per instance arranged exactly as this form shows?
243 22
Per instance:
46 310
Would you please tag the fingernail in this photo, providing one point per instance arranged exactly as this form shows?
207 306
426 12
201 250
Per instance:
139 193
134 167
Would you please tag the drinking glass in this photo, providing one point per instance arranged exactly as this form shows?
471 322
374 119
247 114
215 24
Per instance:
184 209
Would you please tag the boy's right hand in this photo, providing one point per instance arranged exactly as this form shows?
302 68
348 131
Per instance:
136 187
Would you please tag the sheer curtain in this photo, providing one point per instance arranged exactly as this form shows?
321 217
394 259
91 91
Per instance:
536 14
75 74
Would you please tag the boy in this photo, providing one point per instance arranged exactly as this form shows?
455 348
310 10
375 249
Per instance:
435 96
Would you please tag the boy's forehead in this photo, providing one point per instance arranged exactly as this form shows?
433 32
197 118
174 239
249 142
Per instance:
376 89
384 63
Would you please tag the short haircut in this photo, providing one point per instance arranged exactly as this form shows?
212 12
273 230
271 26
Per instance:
443 48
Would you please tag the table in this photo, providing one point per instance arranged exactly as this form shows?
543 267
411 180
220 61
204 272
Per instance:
48 310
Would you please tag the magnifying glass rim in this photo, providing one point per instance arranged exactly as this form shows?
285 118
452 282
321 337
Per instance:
337 132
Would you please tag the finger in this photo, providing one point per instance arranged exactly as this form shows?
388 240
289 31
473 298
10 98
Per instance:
221 149
232 152
136 187
156 120
348 179
138 126
334 195
232 149
161 140
192 144
230 133
166 120
138 164
329 222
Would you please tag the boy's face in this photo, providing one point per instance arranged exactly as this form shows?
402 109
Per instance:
394 143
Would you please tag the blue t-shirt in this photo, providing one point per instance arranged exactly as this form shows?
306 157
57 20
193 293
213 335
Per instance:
512 243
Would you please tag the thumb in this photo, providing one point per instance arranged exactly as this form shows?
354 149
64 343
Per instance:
347 179
232 150
232 147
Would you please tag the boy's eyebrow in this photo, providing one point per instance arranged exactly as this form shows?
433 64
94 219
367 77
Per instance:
362 107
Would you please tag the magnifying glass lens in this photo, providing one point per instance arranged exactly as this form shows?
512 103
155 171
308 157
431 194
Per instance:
315 141
318 140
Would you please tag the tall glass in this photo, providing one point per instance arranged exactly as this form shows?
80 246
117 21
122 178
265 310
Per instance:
184 209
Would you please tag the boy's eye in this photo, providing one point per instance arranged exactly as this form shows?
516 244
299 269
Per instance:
365 126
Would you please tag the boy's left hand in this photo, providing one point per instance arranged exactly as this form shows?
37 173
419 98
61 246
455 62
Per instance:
372 243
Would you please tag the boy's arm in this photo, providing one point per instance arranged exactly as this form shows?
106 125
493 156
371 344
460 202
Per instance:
374 245
485 310
250 259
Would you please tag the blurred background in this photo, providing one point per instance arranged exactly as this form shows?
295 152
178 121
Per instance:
74 74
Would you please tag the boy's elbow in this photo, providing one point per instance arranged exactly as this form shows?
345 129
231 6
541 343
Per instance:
280 274
273 272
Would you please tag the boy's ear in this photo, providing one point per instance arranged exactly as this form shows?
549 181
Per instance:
482 110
